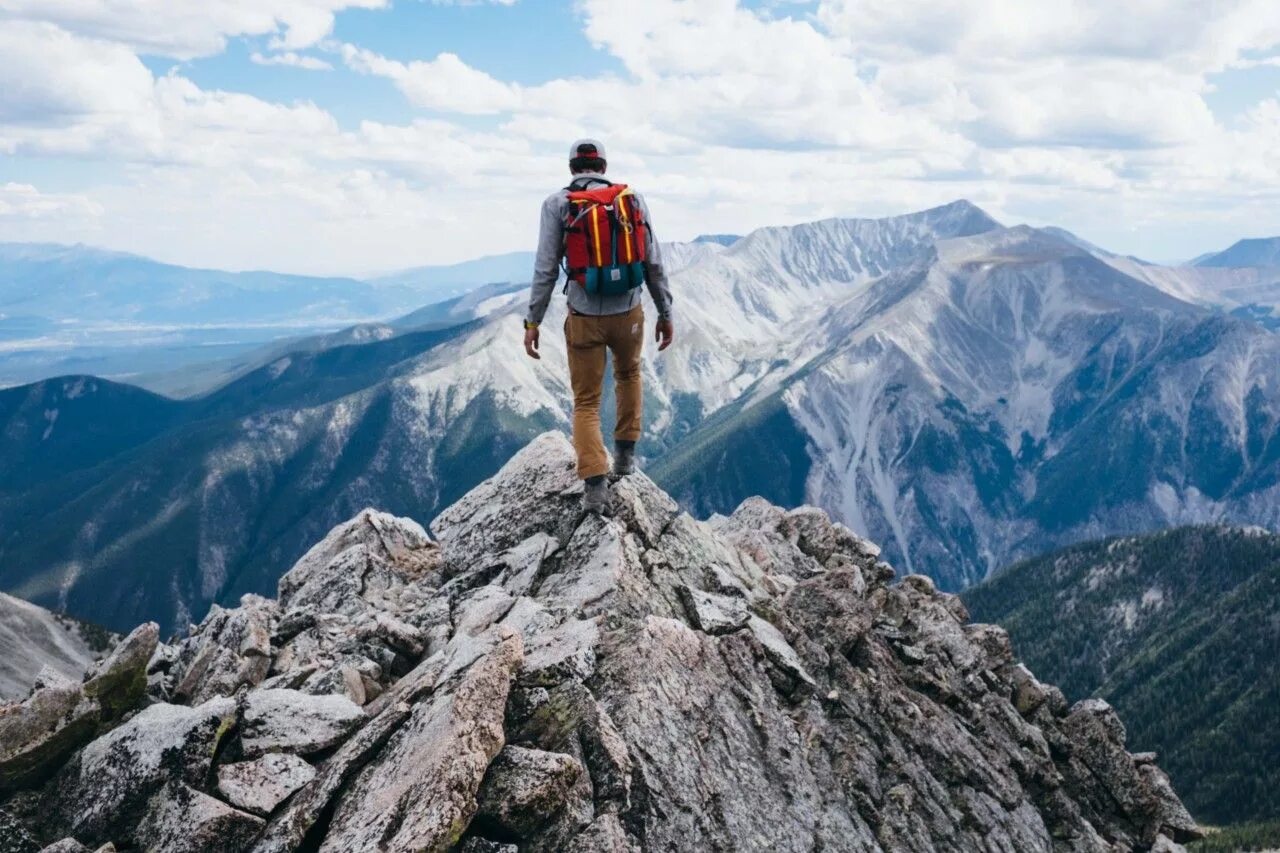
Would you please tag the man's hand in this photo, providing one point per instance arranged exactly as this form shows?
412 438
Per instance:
531 342
664 334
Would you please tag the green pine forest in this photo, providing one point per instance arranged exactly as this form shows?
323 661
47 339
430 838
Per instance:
1180 631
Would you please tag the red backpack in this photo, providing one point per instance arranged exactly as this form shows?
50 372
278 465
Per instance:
605 239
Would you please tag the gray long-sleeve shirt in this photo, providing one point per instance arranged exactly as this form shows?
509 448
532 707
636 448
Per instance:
546 266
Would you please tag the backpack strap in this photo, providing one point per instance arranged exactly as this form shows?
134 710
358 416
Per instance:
581 183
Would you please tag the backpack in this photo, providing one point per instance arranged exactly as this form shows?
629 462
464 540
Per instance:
605 238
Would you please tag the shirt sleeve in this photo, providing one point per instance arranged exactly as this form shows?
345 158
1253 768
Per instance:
654 274
546 264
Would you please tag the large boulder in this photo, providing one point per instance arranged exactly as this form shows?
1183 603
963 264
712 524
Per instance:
261 785
105 789
183 820
420 792
280 720
524 789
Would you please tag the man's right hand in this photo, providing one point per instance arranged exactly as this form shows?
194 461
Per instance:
531 342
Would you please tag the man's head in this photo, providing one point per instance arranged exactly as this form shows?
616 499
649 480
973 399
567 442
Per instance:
586 155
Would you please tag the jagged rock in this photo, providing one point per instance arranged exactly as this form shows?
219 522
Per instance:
715 614
66 845
261 785
419 794
229 650
119 682
290 721
50 677
290 825
788 672
359 608
750 683
1028 693
524 789
537 491
567 718
70 845
183 820
38 734
362 564
484 845
106 786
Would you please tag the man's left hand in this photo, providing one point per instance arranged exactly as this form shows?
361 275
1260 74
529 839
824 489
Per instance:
664 334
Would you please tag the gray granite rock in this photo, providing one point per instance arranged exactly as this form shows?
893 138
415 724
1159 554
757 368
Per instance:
419 793
183 820
646 682
103 791
715 614
524 788
39 733
259 786
283 720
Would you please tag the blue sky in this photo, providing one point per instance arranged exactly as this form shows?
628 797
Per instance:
352 136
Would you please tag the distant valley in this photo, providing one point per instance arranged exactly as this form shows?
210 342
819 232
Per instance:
79 310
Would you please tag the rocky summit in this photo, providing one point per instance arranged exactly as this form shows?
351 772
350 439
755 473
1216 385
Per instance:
524 678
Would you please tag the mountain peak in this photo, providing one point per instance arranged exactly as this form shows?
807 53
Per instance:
1251 252
538 677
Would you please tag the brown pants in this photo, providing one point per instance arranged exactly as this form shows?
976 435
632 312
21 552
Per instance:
587 337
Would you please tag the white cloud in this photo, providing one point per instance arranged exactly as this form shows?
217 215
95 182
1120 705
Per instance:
292 59
444 83
729 119
188 28
23 201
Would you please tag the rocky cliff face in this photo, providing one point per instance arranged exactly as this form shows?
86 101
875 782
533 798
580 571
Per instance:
529 679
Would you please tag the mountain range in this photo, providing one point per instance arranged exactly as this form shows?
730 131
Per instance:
1178 630
963 392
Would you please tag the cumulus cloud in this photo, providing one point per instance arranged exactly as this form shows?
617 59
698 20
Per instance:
1057 111
188 28
444 83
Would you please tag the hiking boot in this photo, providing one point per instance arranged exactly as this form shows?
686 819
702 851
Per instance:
595 496
624 458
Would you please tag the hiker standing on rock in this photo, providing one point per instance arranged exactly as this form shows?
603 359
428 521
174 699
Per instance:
601 232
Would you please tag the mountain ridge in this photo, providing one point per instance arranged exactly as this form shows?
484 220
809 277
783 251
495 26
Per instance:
527 675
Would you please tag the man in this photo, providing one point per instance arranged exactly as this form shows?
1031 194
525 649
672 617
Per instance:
602 230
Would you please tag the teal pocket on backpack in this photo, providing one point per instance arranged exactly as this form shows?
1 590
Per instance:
613 280
636 273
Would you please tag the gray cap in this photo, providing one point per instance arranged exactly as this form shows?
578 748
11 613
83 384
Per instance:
586 148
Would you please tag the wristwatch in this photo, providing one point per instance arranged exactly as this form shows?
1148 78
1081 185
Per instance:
528 324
